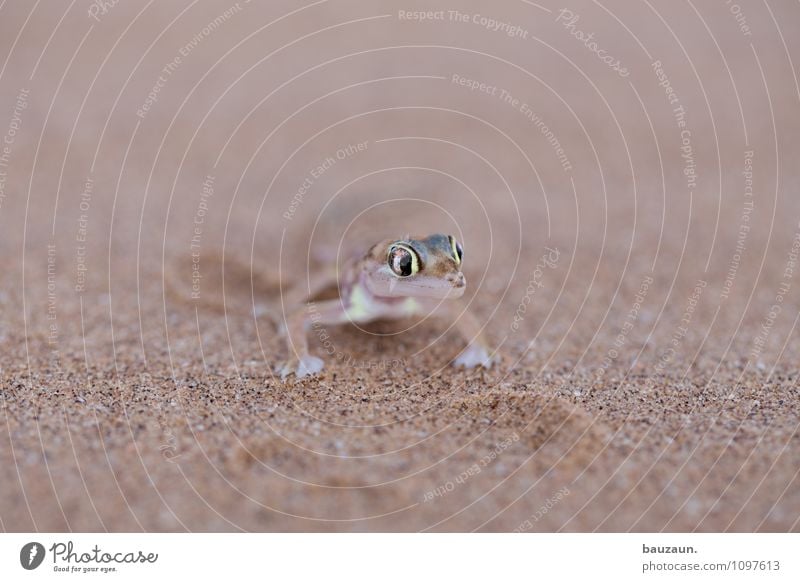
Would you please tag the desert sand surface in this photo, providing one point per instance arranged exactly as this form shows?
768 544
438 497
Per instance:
624 179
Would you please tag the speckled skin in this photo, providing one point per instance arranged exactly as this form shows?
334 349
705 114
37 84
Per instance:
369 289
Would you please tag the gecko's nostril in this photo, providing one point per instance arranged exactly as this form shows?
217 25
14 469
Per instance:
456 280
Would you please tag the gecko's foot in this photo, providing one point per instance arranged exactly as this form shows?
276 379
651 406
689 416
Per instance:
474 355
301 367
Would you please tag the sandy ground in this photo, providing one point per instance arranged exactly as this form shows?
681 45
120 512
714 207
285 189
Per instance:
174 174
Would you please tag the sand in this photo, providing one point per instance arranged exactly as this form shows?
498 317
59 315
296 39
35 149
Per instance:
630 244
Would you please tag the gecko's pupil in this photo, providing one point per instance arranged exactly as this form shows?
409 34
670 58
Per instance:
400 261
459 251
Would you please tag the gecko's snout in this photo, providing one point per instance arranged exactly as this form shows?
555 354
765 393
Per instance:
457 280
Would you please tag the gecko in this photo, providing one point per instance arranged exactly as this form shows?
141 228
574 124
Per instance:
395 279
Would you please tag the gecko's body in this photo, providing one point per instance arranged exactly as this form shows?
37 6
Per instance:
393 280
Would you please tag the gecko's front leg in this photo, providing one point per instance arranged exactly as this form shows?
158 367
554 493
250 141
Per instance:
477 352
300 362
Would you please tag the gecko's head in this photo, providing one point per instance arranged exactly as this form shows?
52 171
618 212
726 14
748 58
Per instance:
417 267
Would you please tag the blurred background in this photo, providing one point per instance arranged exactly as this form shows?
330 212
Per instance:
169 171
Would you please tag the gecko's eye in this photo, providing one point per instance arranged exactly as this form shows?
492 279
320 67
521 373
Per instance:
458 252
403 261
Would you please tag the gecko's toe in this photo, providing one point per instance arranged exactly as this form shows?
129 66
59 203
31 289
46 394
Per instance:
286 370
474 355
301 367
308 366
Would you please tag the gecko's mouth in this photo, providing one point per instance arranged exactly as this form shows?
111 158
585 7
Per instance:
450 287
